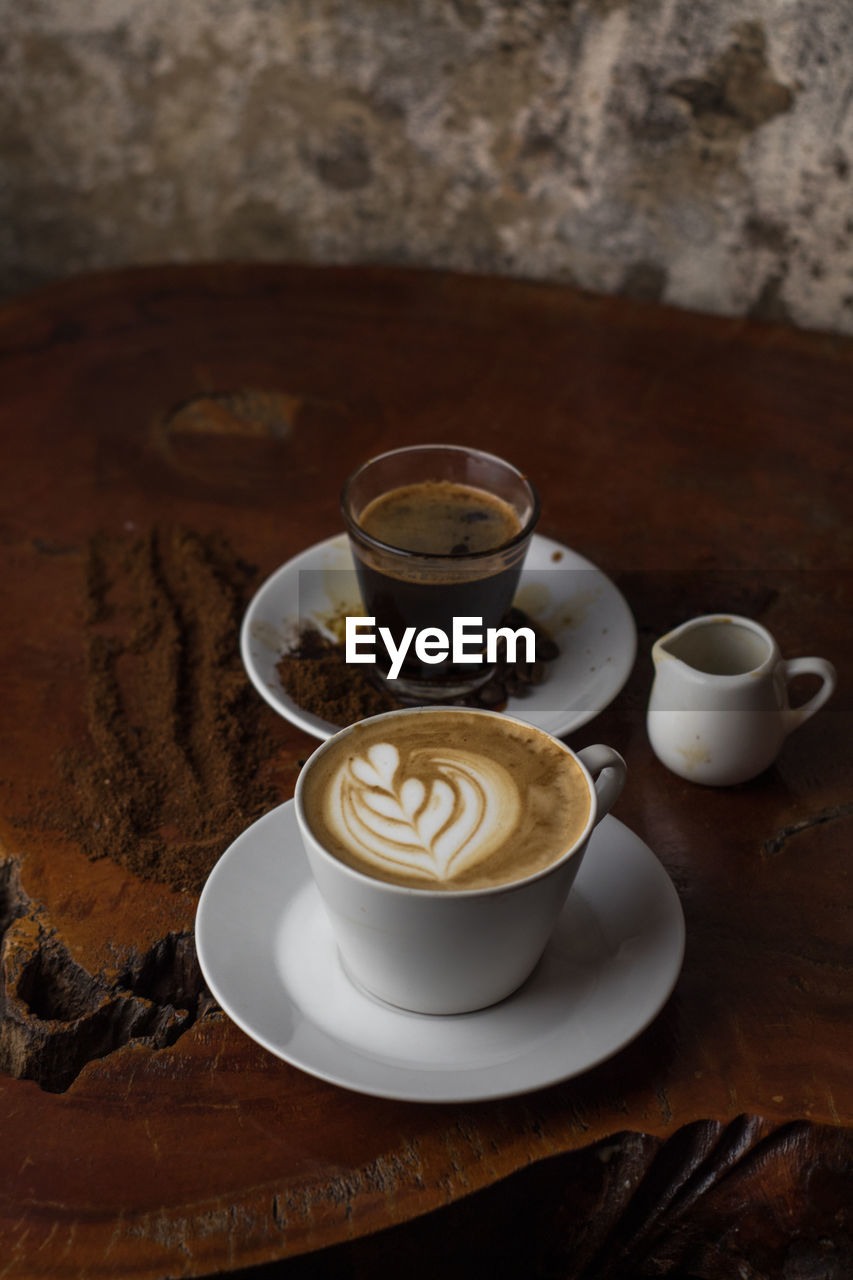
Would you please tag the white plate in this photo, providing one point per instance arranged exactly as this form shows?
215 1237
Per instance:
580 607
268 956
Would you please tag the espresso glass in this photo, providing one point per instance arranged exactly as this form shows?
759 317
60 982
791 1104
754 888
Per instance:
401 588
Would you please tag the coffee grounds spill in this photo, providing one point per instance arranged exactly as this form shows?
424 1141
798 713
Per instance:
174 774
315 673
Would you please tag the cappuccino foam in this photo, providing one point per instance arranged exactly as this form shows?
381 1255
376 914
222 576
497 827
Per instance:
446 799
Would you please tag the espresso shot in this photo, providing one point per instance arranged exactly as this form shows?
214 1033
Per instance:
438 532
438 518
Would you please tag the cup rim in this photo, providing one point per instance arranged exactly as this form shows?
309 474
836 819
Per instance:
355 530
495 890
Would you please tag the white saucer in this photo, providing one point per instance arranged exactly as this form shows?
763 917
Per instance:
579 606
268 956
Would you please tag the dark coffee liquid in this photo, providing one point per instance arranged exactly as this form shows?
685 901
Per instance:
440 517
445 519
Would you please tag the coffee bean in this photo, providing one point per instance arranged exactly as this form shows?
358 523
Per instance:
491 694
530 672
546 649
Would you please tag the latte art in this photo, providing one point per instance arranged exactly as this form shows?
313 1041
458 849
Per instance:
435 818
445 799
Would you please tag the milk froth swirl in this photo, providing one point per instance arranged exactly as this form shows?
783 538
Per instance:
434 816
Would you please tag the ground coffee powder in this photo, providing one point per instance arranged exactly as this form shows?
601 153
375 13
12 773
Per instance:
173 772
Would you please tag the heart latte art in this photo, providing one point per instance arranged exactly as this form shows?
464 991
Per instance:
435 818
445 799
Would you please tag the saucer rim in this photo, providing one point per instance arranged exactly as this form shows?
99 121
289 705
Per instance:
285 706
462 1081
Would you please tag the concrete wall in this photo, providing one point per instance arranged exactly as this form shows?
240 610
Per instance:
697 151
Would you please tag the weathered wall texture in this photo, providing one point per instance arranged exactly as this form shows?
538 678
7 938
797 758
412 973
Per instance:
697 151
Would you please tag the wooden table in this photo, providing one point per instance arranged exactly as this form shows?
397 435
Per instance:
702 463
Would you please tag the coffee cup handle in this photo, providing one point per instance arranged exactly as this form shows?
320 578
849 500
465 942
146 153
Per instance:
812 667
609 772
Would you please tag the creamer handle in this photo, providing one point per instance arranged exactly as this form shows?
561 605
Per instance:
812 667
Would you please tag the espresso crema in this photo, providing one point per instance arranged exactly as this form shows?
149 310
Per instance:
440 517
446 799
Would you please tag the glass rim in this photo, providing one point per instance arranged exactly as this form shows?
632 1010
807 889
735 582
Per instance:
355 530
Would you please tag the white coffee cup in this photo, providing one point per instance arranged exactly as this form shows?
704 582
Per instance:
441 951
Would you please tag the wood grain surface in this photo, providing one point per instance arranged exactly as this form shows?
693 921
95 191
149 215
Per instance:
703 464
